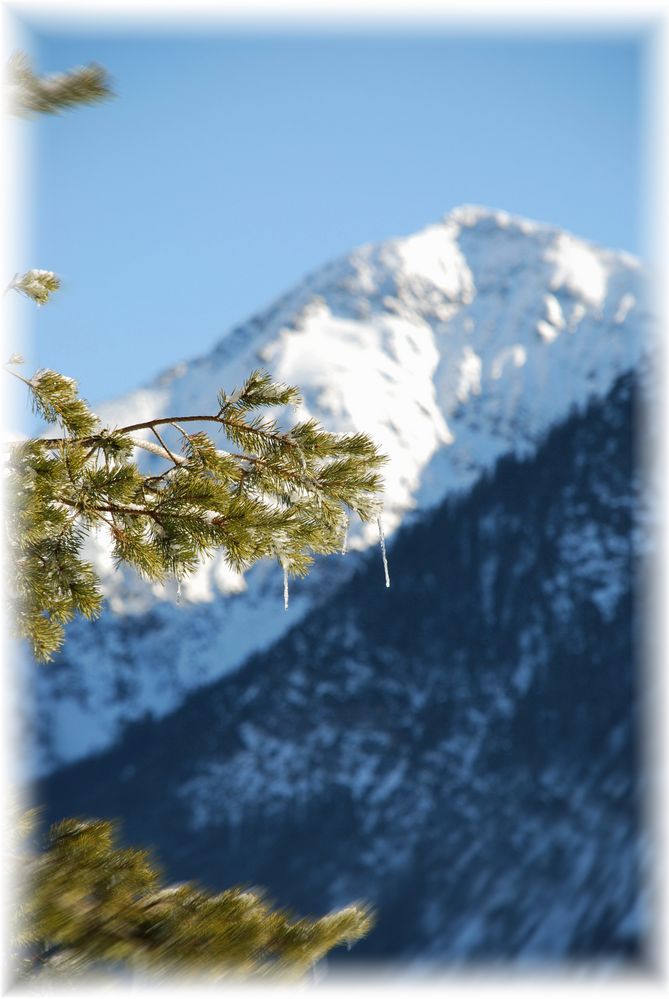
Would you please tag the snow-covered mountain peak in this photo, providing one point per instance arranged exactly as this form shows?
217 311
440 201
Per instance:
449 346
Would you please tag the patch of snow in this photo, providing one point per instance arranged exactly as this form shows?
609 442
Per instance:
579 268
546 331
625 305
516 355
470 375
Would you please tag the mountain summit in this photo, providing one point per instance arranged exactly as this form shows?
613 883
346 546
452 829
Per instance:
451 347
465 340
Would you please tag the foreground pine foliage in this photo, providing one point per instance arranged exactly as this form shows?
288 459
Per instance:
283 494
92 907
84 905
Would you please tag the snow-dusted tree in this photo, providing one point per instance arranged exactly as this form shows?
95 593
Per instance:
280 493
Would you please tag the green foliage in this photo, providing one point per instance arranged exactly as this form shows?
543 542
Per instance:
31 94
281 494
89 905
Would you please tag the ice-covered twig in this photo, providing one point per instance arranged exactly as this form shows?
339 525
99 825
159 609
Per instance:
384 555
344 547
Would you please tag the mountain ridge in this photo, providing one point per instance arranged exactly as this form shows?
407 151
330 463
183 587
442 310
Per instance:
463 750
451 347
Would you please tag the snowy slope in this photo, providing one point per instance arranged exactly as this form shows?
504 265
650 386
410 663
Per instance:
461 750
450 347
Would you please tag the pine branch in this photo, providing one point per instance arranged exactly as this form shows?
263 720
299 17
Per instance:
37 285
203 418
146 425
89 905
175 461
282 494
31 94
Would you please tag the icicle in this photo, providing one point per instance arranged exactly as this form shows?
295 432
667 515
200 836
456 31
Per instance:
344 547
382 539
178 591
285 588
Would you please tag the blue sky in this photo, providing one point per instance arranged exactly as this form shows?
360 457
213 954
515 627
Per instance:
230 165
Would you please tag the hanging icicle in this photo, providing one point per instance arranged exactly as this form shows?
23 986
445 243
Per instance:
178 591
285 588
344 547
382 539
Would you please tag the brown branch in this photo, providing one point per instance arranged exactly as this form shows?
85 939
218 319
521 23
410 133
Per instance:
165 447
173 421
26 381
114 508
161 421
158 478
149 425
